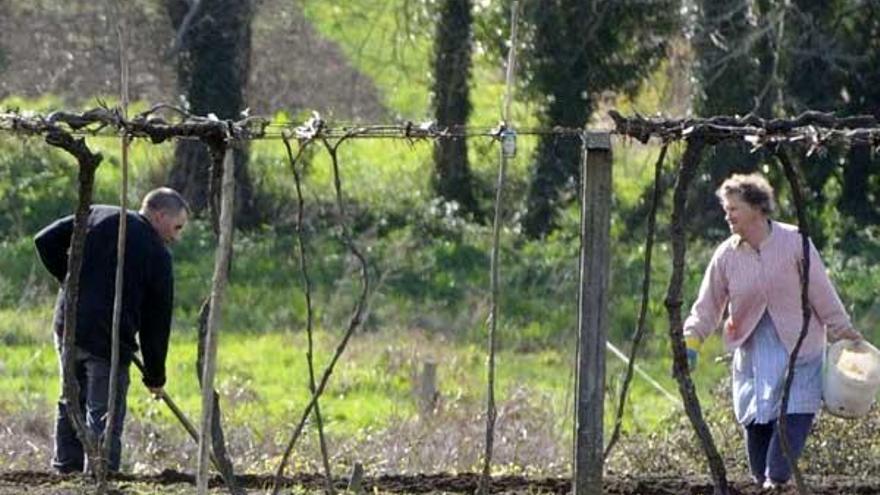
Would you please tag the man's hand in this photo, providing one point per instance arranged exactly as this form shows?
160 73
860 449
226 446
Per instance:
157 392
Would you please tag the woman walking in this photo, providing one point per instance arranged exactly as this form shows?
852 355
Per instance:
756 276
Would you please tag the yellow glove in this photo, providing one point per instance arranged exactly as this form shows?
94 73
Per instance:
692 345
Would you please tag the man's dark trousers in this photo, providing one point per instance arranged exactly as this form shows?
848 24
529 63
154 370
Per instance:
93 376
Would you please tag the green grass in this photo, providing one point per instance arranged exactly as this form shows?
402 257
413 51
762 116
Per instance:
262 378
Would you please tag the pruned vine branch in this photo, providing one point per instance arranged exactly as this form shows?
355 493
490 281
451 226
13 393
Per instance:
149 124
355 321
815 128
797 194
307 282
163 122
643 308
673 303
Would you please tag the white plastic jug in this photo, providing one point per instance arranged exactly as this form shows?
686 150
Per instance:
852 378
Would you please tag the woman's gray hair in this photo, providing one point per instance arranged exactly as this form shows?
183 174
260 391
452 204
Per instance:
752 188
164 199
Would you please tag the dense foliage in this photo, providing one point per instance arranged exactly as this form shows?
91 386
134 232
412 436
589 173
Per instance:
574 52
785 58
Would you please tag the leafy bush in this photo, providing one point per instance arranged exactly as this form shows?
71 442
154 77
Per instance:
37 185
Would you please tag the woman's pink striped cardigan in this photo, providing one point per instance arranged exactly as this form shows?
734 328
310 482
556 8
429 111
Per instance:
751 281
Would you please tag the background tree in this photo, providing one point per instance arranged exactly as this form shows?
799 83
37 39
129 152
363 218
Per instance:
452 65
860 195
213 50
791 56
813 78
575 50
729 80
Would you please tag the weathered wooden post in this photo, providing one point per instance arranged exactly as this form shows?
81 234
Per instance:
427 388
218 290
592 313
355 481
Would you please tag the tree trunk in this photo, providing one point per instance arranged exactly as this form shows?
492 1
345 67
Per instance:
213 65
557 166
452 63
813 82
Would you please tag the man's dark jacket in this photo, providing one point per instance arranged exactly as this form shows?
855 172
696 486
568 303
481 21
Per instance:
148 289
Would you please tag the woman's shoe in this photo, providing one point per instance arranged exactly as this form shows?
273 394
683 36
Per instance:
774 485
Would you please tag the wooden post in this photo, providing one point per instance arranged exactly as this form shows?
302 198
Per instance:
218 289
355 481
592 313
427 388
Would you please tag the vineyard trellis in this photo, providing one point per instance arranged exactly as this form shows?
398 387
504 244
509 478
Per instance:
808 132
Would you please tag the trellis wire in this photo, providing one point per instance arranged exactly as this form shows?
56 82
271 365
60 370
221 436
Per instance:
814 128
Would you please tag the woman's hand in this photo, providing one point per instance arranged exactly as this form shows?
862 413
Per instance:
692 347
849 334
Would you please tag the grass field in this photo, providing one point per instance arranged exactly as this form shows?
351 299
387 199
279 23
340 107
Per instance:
370 400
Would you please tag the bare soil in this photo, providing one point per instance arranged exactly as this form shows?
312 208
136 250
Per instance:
169 481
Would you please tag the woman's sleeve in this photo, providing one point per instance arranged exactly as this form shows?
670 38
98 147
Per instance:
823 297
707 310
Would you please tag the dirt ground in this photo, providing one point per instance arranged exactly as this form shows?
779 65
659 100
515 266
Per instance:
174 482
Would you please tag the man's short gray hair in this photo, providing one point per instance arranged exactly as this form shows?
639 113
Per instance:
166 200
